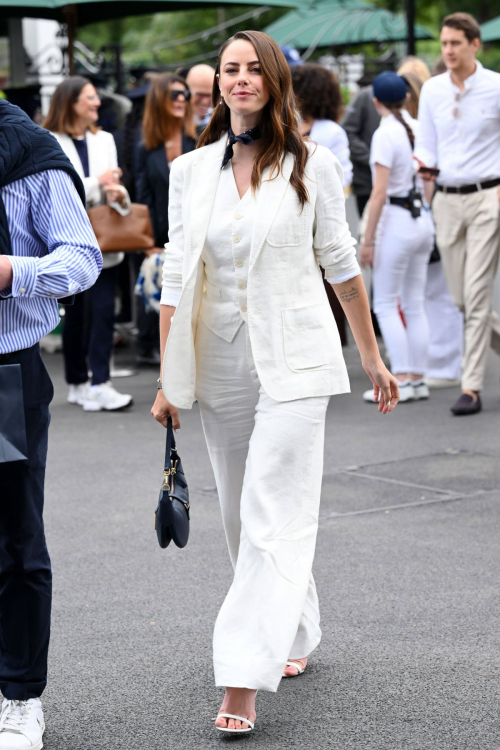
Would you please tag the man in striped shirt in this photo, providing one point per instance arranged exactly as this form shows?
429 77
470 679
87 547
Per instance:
47 251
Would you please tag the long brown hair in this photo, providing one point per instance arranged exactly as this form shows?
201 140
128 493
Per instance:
61 116
280 129
158 125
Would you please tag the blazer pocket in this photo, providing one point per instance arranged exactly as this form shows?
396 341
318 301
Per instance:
290 225
309 337
211 290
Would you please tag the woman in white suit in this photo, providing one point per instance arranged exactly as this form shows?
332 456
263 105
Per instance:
251 217
88 324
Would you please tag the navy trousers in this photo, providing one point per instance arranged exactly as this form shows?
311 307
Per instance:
88 331
25 572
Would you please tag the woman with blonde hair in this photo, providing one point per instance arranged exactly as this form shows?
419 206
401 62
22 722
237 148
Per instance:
88 324
254 211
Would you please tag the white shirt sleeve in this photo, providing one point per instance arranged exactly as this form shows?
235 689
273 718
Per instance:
174 249
333 243
340 149
426 143
382 148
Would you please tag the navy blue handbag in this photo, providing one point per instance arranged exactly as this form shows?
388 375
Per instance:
13 443
172 513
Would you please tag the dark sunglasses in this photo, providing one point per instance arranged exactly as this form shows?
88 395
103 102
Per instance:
177 93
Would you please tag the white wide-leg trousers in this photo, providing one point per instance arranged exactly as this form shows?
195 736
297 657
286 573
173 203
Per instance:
402 252
267 458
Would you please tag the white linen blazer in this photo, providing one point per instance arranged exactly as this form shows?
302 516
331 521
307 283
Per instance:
102 157
293 334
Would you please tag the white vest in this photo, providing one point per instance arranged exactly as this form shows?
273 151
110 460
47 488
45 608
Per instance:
226 255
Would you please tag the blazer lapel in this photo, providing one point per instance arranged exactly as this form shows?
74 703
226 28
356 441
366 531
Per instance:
269 199
97 160
206 174
72 154
160 157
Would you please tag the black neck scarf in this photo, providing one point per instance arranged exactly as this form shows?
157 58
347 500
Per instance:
247 138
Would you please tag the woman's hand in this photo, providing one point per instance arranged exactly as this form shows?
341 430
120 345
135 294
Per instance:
111 177
385 385
366 257
115 193
162 409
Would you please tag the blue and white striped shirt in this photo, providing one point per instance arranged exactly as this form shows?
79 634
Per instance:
54 254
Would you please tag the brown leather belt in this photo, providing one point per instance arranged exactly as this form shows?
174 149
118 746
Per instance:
465 189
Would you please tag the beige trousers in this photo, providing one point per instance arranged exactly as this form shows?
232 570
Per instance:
468 238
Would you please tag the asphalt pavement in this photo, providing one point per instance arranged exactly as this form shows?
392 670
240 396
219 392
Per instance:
407 568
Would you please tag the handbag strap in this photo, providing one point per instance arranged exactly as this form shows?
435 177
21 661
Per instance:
170 446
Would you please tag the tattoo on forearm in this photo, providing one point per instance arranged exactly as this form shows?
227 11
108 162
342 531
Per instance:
349 295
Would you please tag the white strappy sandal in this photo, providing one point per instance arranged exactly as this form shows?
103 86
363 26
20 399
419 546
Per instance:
237 718
295 665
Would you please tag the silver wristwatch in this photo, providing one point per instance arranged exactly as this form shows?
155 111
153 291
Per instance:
159 385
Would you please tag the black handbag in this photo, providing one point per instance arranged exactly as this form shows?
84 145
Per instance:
13 442
172 513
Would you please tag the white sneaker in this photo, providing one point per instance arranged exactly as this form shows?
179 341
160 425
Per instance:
406 393
78 393
21 725
420 390
104 396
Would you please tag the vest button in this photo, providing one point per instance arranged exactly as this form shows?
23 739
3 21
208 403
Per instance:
242 285
239 263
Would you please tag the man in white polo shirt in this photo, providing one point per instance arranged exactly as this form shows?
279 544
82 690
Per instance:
459 117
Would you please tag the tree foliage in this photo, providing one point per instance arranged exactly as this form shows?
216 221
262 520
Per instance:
144 38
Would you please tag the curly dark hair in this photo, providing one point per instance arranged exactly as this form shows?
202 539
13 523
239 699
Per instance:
317 91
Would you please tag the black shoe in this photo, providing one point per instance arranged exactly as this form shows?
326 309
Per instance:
467 405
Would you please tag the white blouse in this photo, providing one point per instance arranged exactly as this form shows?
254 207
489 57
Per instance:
330 134
226 255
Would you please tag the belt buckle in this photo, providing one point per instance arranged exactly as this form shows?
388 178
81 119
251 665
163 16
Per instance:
479 187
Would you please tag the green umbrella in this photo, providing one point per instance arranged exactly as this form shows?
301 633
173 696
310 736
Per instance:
328 23
82 12
92 11
490 31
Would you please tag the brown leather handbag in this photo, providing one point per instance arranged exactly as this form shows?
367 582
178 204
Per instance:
116 233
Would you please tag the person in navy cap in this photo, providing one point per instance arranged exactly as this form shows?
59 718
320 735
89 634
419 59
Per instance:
398 240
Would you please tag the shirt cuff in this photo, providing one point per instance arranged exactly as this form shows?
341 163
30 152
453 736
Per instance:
344 277
24 275
170 298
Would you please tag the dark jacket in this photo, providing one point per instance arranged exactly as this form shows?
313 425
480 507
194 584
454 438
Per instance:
360 121
152 181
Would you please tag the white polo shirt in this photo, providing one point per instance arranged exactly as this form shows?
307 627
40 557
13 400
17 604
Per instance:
391 148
